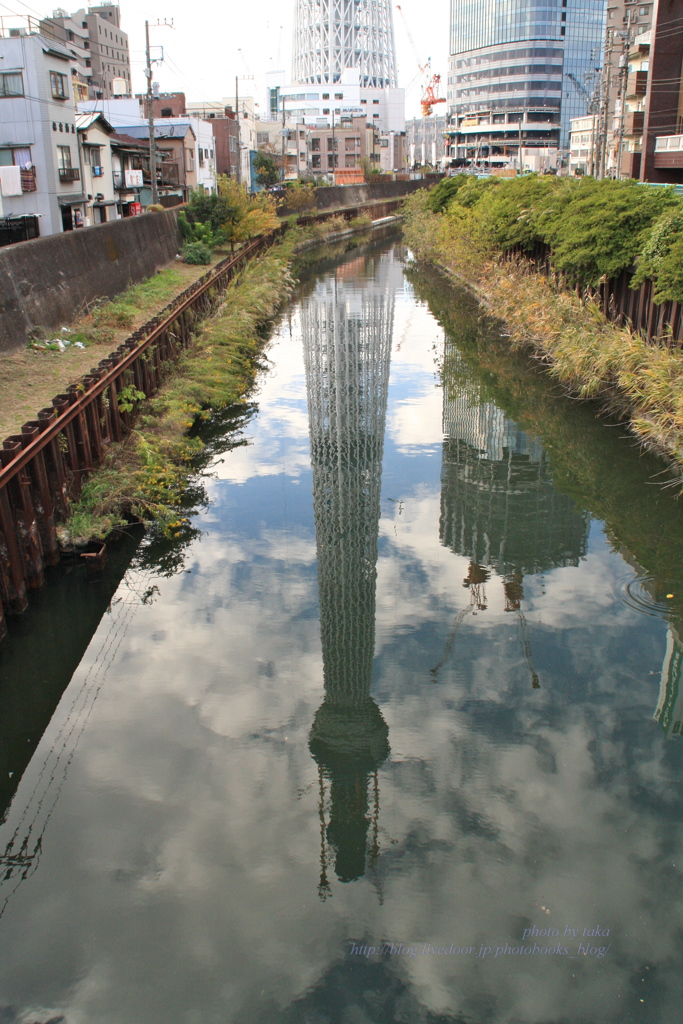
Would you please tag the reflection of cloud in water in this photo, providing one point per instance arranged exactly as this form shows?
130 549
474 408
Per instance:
179 880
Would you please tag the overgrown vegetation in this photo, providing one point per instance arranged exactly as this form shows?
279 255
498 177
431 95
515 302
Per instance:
229 215
594 230
147 476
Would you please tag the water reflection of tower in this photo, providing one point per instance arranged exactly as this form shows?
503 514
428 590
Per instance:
347 328
498 504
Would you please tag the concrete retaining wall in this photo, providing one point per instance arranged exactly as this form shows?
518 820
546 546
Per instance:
331 197
44 282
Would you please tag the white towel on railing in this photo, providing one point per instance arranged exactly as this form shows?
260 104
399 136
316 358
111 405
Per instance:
10 180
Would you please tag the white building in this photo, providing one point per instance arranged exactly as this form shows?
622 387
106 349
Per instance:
39 158
384 108
582 144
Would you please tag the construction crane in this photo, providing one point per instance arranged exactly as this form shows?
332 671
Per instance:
430 92
430 95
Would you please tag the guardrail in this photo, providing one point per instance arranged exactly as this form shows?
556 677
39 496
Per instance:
42 468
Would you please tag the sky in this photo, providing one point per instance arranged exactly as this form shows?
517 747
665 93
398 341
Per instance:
212 42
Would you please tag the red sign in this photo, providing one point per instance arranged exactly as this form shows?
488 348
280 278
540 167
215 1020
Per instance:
135 209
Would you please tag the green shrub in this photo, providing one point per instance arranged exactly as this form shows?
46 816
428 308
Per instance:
197 253
441 195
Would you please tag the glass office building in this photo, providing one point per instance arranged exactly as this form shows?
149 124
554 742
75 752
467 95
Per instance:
519 71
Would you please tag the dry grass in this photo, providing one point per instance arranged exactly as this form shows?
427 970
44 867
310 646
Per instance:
593 358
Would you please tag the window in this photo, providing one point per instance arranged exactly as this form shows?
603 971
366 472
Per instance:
315 144
88 63
643 10
376 102
315 161
12 85
326 95
331 144
64 155
364 101
58 86
166 112
190 159
326 110
339 95
17 157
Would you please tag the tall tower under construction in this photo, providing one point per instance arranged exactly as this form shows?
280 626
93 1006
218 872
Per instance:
333 35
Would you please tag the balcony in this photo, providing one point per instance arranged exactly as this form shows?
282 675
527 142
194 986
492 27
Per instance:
69 174
168 173
636 85
669 151
634 122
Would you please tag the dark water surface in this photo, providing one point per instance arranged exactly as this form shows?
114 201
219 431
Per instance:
390 733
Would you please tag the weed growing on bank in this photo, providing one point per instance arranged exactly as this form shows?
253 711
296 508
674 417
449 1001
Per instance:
466 232
146 476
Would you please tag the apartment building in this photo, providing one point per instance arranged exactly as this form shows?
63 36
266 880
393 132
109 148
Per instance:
96 40
345 145
40 173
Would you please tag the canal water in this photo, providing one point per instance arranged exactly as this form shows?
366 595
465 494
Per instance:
389 732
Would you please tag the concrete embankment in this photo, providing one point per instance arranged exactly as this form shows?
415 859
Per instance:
44 282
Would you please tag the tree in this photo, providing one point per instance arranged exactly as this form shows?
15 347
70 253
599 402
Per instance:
266 171
246 217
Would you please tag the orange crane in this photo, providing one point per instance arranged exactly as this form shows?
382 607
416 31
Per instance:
430 93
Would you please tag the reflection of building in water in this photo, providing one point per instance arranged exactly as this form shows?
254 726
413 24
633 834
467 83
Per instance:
498 503
669 711
347 329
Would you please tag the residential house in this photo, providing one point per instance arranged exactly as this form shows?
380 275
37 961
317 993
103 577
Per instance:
177 171
225 128
94 138
40 172
130 173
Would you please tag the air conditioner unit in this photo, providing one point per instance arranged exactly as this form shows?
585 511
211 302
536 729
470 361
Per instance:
97 172
14 32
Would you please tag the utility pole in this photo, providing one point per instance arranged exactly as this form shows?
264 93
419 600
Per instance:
283 137
605 104
150 108
334 149
150 120
238 169
623 78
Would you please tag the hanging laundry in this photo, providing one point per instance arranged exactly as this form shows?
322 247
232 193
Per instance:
10 180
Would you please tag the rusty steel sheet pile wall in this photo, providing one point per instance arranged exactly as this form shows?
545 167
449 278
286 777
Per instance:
42 467
45 281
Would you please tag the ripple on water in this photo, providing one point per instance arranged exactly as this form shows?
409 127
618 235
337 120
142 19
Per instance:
650 594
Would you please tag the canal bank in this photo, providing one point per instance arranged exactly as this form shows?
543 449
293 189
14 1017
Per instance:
632 380
144 478
311 727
